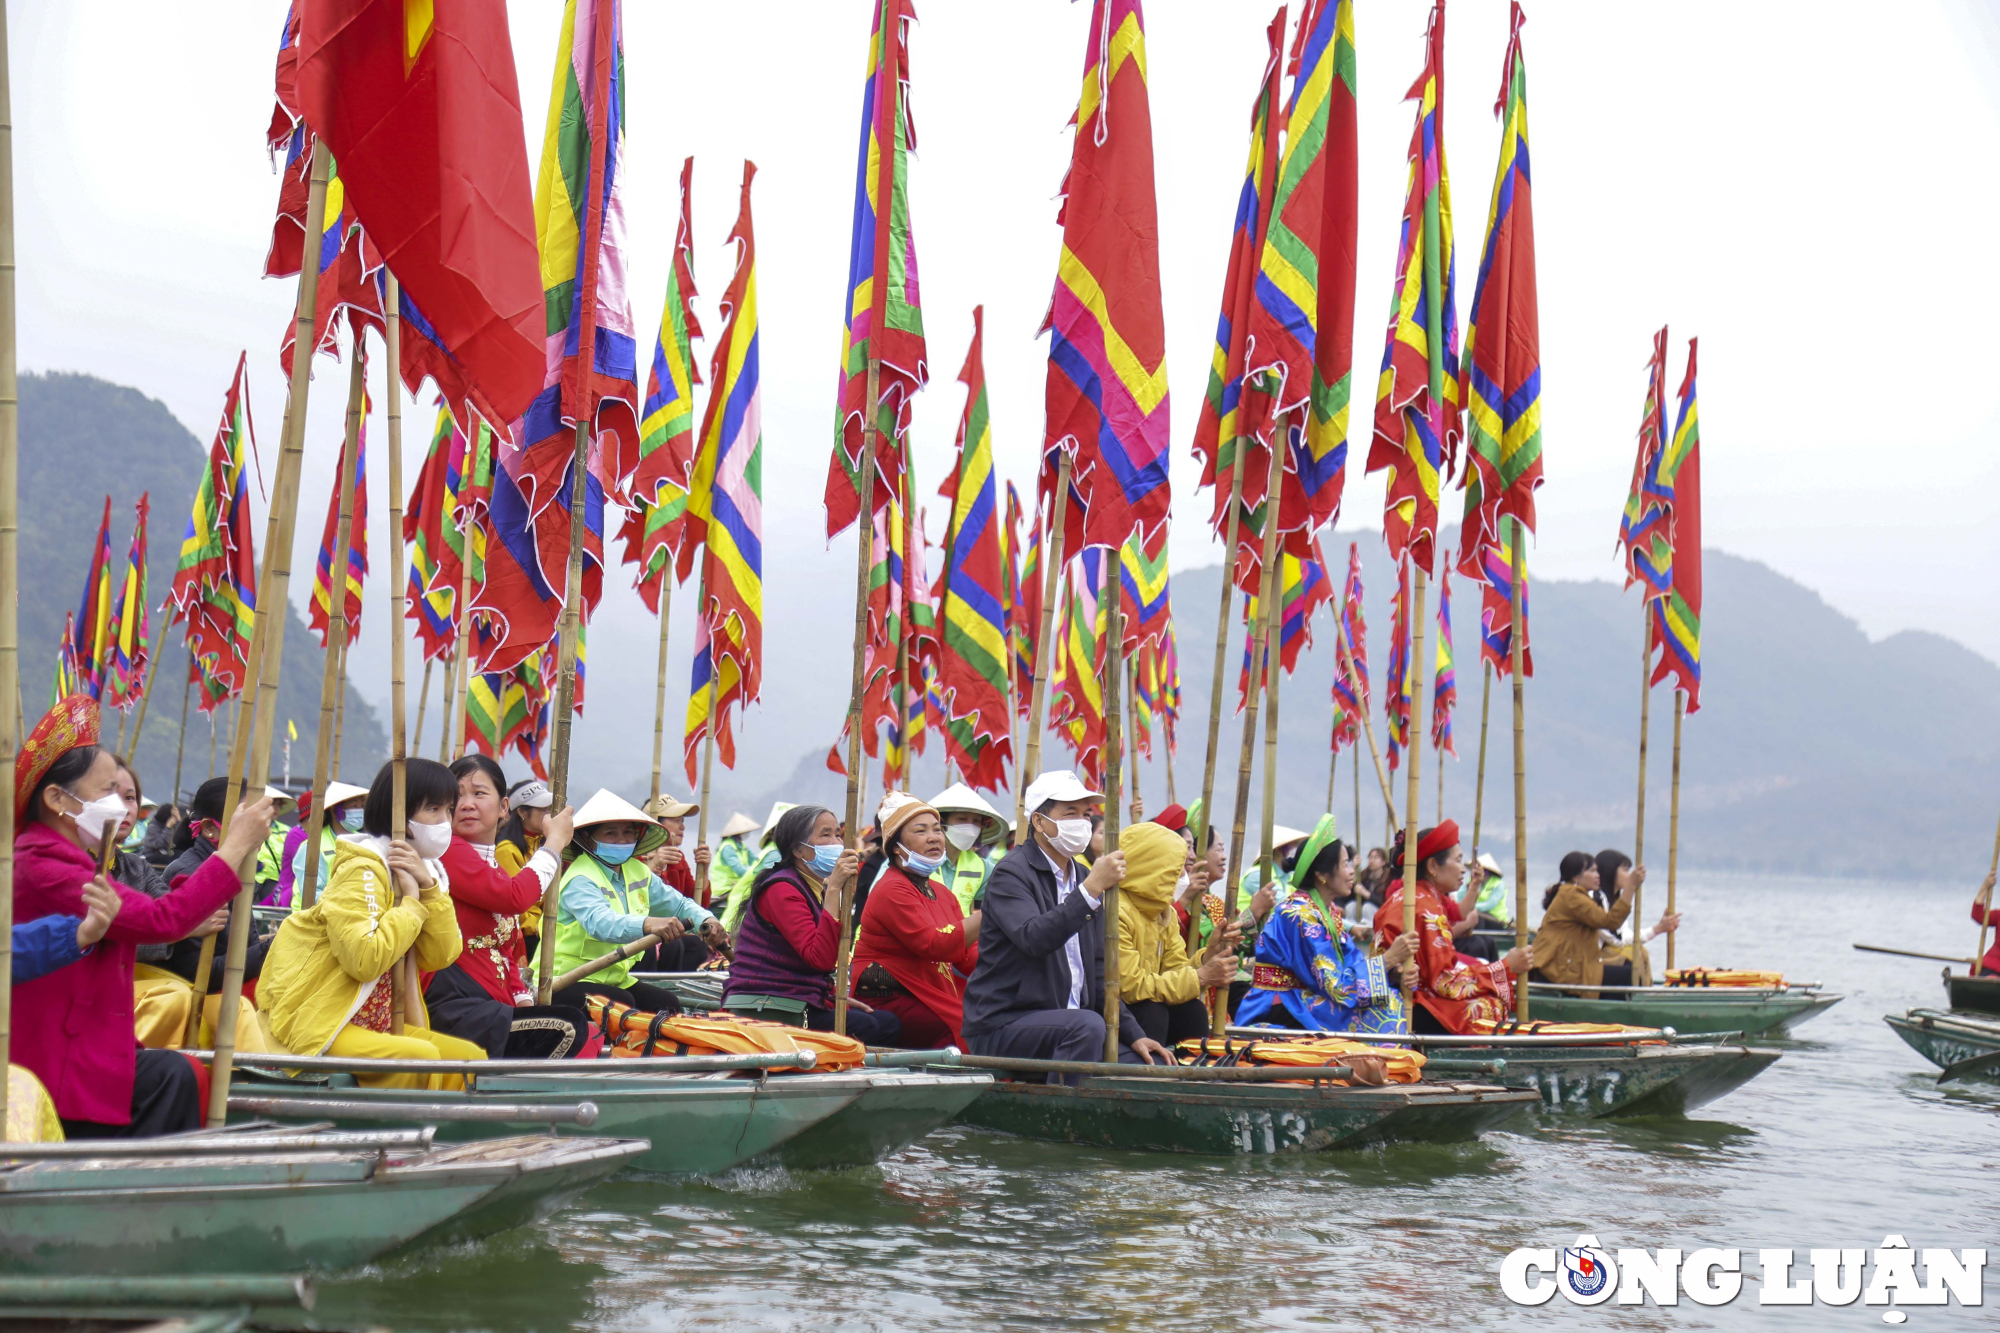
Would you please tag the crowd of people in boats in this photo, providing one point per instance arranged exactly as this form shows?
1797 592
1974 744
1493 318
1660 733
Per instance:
962 935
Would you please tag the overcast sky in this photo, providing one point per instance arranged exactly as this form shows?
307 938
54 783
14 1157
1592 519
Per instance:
1800 187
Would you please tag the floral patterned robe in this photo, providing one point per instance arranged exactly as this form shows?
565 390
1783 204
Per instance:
1455 989
1322 978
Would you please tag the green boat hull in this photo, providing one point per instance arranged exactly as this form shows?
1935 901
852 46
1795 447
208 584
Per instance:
1947 1038
1979 995
1638 1080
1699 1011
1235 1120
694 1125
267 1215
898 1108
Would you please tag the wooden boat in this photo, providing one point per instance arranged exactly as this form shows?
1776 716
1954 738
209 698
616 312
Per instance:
1608 1075
899 1107
1283 1115
273 1202
1948 1038
694 1124
1980 995
1749 1011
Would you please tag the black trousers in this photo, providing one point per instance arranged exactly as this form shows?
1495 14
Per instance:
685 953
873 1027
166 1099
639 994
460 1007
1171 1024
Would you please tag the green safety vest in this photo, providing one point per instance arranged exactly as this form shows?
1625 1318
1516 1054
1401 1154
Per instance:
632 895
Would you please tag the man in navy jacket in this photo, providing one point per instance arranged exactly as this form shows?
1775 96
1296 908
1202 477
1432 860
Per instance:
1038 989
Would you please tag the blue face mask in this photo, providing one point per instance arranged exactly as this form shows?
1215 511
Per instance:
825 855
616 853
350 819
921 866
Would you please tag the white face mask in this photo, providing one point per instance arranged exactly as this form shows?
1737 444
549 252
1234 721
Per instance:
106 812
962 836
430 840
1071 836
1181 885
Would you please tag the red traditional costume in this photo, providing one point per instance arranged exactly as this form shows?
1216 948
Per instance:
918 936
1988 916
489 904
1453 988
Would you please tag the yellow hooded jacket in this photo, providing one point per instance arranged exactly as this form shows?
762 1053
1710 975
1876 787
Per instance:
329 957
1152 960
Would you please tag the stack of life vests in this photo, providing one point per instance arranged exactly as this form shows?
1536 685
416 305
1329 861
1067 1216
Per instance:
630 1033
1302 1052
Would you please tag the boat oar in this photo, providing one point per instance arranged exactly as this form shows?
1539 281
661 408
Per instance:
1978 1064
655 1064
1912 953
947 1055
581 1114
203 1289
1182 1073
618 955
210 1143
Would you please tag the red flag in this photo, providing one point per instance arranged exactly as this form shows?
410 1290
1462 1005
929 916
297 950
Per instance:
420 106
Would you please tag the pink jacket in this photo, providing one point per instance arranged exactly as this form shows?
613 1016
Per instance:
73 1027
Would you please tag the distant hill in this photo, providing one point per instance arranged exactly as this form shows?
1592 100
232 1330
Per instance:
1817 751
82 437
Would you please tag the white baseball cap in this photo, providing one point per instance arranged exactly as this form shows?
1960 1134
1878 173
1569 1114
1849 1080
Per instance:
531 796
1057 785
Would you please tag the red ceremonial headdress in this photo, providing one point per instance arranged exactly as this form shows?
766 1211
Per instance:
1438 841
71 723
1174 817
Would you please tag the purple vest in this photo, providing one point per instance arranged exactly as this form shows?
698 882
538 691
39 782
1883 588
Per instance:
767 964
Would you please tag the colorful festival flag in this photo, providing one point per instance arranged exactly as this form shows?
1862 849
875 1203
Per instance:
1416 400
973 657
590 351
1501 383
91 635
1224 423
125 668
357 549
884 318
1444 688
1024 634
1677 616
1645 528
1107 381
1496 605
68 680
215 577
1303 589
418 102
1399 688
655 525
1076 709
1350 678
446 504
725 512
1147 604
1306 274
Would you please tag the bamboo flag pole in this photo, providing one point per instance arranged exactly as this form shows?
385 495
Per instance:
211 740
572 620
1516 632
339 707
1256 647
10 580
1333 772
336 631
451 709
864 532
267 644
455 720
1357 797
1113 650
1417 577
1232 533
1978 959
1132 748
1274 672
912 561
152 673
423 697
1674 831
1052 552
180 746
399 600
1639 827
660 683
1479 783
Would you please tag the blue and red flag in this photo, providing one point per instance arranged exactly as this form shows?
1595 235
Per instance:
90 638
357 543
1350 677
655 525
1444 690
1496 604
1644 529
125 670
1677 616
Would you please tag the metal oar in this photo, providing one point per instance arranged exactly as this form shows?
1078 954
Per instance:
1912 953
1184 1073
581 1114
201 1289
209 1144
656 1064
1249 1034
947 1055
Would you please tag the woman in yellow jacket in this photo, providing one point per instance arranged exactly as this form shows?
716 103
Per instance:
1158 983
326 988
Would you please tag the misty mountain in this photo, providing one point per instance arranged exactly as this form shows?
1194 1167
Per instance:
81 438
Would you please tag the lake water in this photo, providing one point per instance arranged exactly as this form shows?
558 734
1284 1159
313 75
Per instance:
1847 1139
